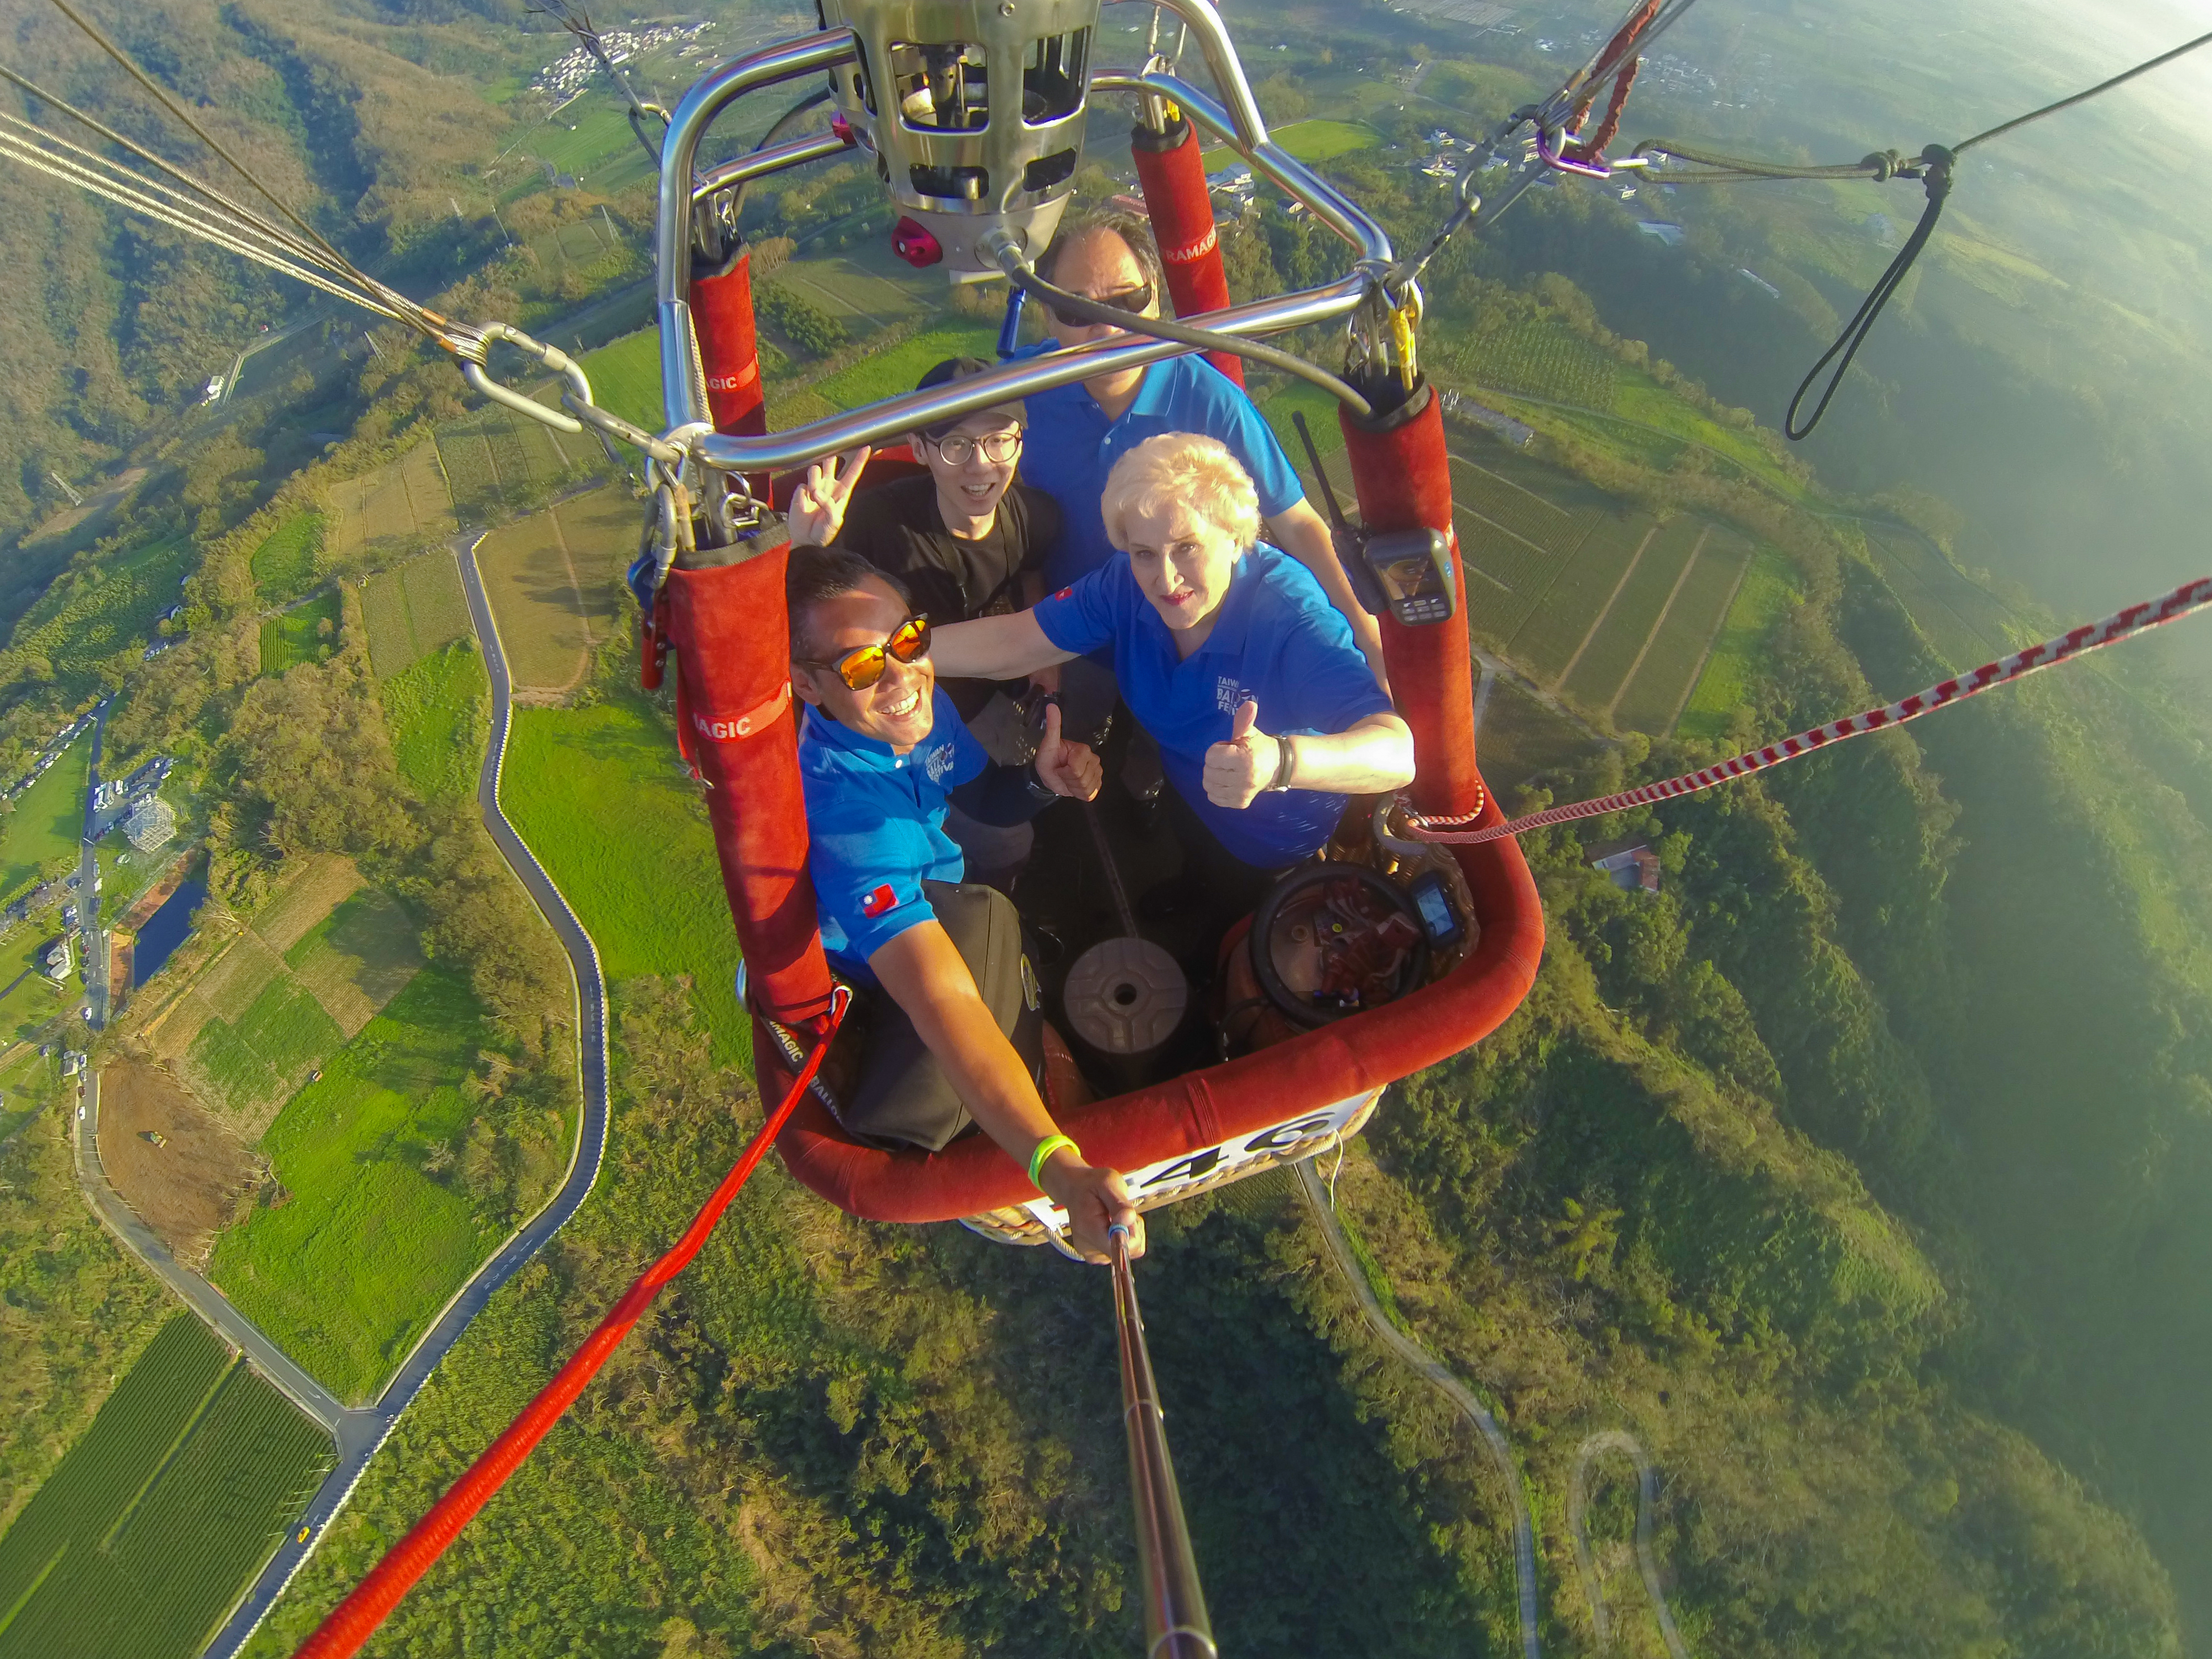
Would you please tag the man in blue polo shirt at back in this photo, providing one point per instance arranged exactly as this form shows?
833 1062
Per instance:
953 1034
1077 432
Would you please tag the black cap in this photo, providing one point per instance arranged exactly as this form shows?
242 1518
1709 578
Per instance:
963 368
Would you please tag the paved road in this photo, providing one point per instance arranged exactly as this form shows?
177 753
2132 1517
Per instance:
92 949
361 1432
1462 1396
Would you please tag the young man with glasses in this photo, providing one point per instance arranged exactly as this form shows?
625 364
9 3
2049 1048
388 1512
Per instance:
966 541
948 1009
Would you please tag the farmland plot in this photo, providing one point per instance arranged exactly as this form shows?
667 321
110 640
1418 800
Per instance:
437 716
1563 618
1617 644
87 616
1652 699
284 564
551 580
298 635
1768 589
149 1528
394 509
413 610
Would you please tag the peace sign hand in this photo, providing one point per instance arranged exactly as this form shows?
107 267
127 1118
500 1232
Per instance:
817 506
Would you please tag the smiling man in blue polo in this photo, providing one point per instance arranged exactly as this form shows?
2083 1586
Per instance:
956 1036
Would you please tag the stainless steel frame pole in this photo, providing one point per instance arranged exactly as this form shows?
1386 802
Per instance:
1176 1622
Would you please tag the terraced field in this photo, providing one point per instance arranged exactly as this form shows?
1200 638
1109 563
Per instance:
299 635
138 1541
413 610
395 509
501 464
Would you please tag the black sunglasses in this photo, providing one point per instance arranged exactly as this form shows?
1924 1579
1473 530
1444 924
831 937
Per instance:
1135 301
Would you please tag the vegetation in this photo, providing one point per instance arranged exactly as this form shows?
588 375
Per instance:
304 633
42 833
148 1529
882 374
284 564
401 1167
600 798
625 378
75 1311
805 326
439 714
94 623
413 610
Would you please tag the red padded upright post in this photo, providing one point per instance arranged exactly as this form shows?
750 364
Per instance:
735 708
1173 178
1403 478
722 316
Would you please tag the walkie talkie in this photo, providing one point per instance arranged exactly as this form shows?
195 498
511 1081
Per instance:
1408 571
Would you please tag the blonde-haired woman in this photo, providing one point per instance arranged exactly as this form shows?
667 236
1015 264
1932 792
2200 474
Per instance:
1228 652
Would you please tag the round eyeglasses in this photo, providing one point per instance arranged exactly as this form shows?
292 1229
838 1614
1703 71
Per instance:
998 448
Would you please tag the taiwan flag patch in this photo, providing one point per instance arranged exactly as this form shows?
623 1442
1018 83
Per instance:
883 899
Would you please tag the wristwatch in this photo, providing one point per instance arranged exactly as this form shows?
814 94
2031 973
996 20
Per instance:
1286 762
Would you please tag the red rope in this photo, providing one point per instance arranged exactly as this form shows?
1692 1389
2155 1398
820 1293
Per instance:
2136 619
355 1619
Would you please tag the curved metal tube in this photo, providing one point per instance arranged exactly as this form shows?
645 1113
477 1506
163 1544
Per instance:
1176 1622
759 163
683 383
895 418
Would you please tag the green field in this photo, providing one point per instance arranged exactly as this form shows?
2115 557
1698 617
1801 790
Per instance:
600 797
348 1272
413 610
625 377
1769 589
265 1050
90 615
284 563
27 998
47 826
141 1538
1650 700
390 511
499 464
438 715
1626 626
1546 642
1535 357
298 635
897 369
1316 140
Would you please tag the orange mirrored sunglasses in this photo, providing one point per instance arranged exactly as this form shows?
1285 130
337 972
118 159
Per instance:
862 668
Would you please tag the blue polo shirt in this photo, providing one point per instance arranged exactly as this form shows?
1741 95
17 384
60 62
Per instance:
1277 642
1071 447
877 822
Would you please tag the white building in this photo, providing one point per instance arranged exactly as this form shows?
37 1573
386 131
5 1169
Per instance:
151 824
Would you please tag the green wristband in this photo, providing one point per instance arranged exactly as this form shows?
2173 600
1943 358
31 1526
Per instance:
1045 1149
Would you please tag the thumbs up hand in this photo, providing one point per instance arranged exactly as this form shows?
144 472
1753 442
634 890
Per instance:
1238 772
1066 768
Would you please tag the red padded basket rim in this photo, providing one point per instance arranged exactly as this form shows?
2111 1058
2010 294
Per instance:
1205 1108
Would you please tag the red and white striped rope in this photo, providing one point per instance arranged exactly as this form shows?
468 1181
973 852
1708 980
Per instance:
2136 619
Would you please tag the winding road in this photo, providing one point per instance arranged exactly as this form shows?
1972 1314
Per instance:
1469 1407
360 1432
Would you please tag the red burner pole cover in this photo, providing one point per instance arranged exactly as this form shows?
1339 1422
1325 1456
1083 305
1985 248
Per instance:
1174 181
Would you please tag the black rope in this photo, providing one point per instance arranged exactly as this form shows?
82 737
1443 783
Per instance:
1933 169
2083 97
1935 164
1204 339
